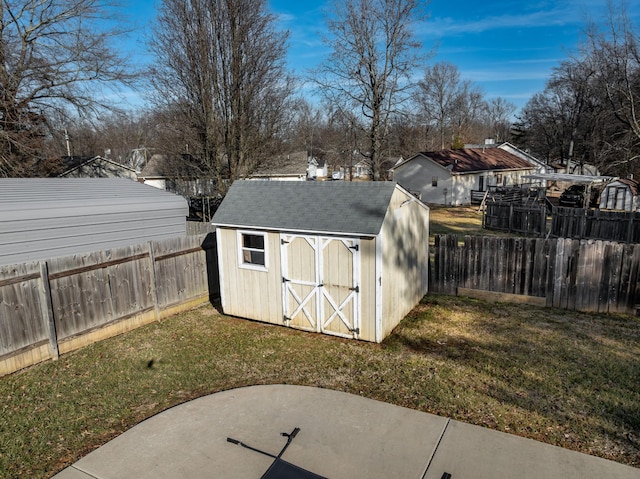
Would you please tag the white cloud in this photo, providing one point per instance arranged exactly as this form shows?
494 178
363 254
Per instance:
542 16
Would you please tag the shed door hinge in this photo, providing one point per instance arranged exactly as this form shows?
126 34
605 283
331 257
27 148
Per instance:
356 289
355 248
355 330
285 280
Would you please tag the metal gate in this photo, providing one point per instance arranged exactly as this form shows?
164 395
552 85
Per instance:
321 284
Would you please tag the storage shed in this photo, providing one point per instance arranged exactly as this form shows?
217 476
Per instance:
340 258
622 195
42 218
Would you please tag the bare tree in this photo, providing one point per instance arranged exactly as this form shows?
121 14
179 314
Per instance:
499 118
221 64
615 55
55 55
589 111
466 116
368 71
448 101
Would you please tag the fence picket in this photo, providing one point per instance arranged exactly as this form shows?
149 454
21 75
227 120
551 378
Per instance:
581 275
58 305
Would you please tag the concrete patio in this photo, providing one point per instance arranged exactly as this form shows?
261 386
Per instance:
341 436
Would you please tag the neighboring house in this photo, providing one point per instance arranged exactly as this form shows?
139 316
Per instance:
183 175
342 258
621 194
361 169
100 167
291 167
318 168
539 167
448 177
351 166
43 218
574 168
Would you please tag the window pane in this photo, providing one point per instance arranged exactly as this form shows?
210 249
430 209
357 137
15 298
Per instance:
253 241
257 257
253 249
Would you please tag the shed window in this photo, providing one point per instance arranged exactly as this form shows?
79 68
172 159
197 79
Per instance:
252 252
434 181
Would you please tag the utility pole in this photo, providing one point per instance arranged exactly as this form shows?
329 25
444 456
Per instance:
66 139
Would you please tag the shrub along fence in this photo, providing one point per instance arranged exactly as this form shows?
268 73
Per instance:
51 307
581 275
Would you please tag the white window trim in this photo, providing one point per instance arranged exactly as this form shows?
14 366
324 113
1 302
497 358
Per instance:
241 263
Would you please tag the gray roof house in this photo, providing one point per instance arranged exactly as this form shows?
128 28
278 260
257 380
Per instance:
339 258
42 218
184 175
289 167
100 167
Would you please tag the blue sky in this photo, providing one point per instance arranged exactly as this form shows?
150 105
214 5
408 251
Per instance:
507 48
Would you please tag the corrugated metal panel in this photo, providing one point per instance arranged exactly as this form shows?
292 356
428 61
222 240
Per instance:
46 217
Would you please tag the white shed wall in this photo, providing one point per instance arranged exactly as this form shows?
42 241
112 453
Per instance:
250 293
405 258
416 176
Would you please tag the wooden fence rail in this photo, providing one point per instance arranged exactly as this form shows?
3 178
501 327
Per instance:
581 275
51 307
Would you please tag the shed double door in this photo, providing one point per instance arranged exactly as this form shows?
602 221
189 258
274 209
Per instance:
320 277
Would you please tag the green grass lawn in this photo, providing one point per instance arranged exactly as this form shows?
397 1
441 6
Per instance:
460 220
564 378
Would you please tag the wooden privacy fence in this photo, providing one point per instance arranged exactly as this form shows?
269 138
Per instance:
530 219
582 223
199 227
581 275
52 307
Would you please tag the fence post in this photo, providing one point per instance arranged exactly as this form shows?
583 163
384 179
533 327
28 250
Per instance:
510 216
46 306
152 280
583 224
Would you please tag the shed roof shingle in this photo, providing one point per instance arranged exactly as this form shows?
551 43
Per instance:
320 207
